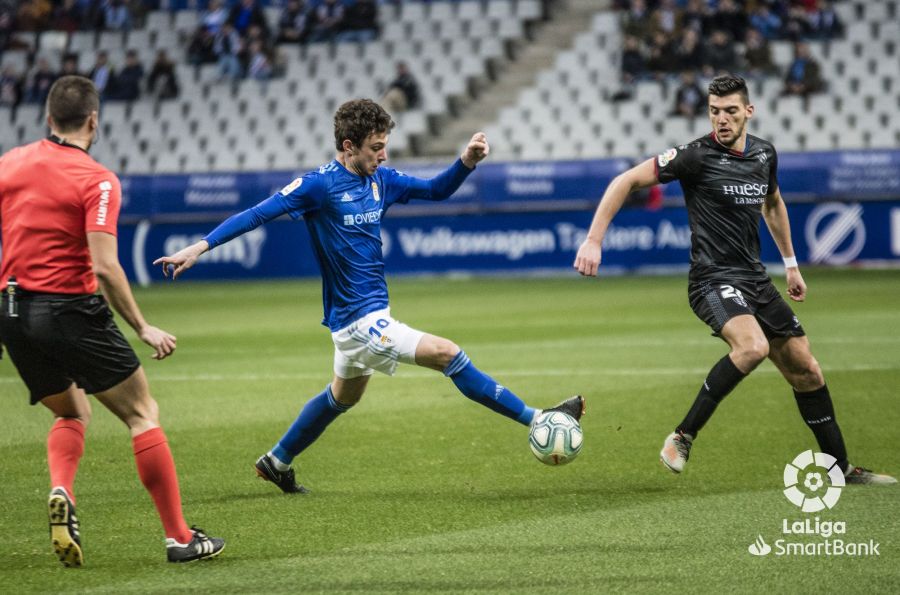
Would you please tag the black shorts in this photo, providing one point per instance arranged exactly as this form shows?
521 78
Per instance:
717 301
59 339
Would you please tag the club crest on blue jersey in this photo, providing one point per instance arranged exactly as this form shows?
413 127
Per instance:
375 191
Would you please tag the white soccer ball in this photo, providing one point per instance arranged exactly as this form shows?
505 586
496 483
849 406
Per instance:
555 438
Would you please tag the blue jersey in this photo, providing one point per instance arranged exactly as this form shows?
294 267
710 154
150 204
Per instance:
343 213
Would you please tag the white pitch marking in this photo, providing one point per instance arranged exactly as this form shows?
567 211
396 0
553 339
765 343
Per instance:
417 374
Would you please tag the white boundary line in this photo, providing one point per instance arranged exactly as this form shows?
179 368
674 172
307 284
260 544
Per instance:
414 374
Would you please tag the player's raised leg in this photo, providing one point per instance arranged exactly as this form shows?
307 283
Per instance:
793 357
445 356
317 413
748 348
65 446
379 342
130 401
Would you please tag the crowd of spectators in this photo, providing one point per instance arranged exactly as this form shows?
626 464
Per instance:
238 40
666 38
233 34
128 83
243 45
301 20
328 20
71 15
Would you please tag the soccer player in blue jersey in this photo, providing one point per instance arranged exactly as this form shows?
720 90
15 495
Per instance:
342 204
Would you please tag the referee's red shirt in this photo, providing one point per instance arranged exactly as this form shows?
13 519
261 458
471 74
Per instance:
51 196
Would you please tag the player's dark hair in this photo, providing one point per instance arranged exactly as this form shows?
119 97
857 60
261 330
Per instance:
357 119
70 102
729 84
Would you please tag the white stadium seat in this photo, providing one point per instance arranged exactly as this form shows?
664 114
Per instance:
54 40
82 42
469 10
442 11
528 9
413 12
500 9
187 20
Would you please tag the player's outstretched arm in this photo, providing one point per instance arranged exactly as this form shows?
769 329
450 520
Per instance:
776 216
587 261
443 185
104 251
276 205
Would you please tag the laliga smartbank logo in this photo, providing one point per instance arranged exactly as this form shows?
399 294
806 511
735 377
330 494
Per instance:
813 482
811 470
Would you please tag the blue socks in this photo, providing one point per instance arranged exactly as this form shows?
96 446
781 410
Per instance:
315 416
483 389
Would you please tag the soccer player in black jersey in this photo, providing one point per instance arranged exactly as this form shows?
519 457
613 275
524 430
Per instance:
729 179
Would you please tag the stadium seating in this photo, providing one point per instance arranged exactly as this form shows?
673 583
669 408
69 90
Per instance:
295 128
578 89
568 113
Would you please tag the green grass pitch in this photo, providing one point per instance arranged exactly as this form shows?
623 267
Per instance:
420 490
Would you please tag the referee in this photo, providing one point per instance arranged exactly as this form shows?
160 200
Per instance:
59 209
729 180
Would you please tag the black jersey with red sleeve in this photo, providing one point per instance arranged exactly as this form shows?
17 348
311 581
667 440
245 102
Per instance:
724 191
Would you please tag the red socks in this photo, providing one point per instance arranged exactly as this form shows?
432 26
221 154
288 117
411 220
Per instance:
156 469
65 445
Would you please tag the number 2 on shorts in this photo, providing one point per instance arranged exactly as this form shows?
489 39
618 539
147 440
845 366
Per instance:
730 292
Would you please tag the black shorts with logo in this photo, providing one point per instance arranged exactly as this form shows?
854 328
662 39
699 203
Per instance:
57 339
716 301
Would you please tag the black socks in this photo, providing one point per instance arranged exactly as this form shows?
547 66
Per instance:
815 408
721 380
818 413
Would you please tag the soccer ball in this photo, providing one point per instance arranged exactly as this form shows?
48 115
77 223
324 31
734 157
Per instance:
555 438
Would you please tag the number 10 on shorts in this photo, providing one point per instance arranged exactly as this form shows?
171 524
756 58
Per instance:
380 323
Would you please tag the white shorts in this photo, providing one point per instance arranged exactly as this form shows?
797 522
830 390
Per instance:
374 342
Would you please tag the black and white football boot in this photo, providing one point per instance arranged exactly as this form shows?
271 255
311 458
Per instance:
200 547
